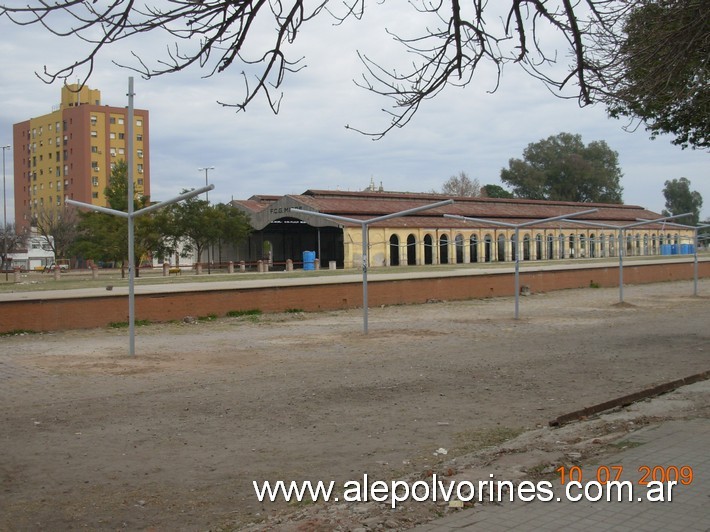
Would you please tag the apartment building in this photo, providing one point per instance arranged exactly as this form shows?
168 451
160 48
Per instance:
69 153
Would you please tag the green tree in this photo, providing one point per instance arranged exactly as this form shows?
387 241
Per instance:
680 199
660 71
495 191
104 237
562 168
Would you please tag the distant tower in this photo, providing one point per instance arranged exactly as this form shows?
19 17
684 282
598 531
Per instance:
69 153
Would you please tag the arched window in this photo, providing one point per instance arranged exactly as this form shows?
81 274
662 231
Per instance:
612 245
645 244
602 245
458 241
473 248
571 246
550 247
443 249
488 248
394 250
411 250
561 245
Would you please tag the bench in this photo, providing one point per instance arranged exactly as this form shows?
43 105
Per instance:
176 271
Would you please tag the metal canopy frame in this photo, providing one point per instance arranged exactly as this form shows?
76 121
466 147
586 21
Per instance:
695 229
517 240
622 240
364 224
131 215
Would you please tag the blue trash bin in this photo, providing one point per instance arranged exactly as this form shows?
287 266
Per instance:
309 260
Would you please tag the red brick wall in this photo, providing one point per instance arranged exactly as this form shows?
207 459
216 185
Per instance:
80 313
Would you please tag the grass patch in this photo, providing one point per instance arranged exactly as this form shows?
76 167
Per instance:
593 284
124 324
18 332
293 310
241 313
209 317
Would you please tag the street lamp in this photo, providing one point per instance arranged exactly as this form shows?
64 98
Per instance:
4 213
206 169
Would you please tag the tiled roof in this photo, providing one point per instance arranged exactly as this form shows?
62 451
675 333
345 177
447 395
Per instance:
367 205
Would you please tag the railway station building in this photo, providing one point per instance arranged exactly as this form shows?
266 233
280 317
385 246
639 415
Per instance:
280 233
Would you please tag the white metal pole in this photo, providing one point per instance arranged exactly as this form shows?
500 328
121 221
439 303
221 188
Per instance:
365 246
131 228
4 214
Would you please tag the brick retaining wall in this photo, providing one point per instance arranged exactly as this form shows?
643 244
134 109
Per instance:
81 313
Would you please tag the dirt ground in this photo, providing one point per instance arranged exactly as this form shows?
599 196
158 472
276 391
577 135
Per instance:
172 438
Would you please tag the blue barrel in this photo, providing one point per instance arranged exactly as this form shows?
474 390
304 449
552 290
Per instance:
675 249
309 260
686 249
666 249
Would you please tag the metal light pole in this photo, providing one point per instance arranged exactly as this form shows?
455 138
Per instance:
4 213
206 169
207 197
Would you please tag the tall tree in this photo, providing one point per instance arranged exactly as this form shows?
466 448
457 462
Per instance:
680 199
105 237
659 71
561 167
461 185
452 42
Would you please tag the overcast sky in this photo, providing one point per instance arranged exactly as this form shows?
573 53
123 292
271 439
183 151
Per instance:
307 145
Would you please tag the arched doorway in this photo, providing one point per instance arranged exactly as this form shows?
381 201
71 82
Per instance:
501 248
394 250
443 249
473 248
411 250
428 250
458 240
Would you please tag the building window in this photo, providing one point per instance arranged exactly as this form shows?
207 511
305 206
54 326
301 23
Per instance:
139 137
113 152
95 195
140 181
121 136
94 134
112 120
94 149
120 120
95 166
95 181
139 122
140 168
112 135
121 151
93 120
140 154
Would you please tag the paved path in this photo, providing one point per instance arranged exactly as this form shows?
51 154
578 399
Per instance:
679 443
